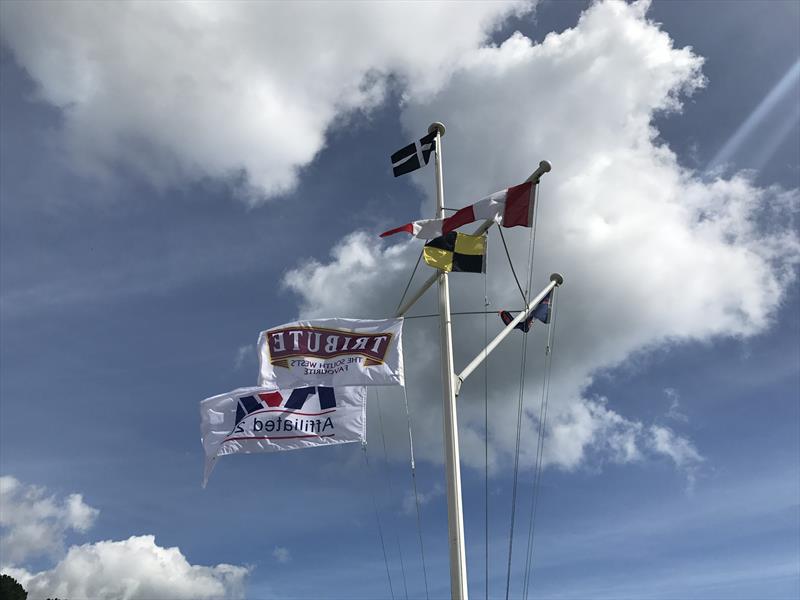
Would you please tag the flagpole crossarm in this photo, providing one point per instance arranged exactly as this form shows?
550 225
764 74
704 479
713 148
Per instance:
556 279
544 167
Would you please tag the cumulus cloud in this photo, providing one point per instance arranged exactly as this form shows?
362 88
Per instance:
33 523
653 254
249 89
131 569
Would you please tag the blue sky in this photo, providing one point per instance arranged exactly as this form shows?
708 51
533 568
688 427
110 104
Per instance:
176 178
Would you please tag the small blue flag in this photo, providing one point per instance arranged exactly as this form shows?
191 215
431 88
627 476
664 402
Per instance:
541 312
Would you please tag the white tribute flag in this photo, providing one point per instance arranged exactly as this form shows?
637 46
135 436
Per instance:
332 353
259 419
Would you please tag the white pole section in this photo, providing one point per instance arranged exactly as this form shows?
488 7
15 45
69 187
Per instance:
555 279
543 168
455 513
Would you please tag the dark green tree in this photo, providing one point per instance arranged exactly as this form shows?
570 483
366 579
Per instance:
10 589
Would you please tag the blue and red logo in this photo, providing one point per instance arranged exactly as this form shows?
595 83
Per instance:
296 400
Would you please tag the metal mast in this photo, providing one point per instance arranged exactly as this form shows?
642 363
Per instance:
451 383
455 513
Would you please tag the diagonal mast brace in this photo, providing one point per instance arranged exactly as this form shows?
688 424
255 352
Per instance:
555 280
543 168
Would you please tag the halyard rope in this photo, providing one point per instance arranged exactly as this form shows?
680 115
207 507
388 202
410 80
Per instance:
390 487
520 403
416 496
408 285
540 448
378 520
486 432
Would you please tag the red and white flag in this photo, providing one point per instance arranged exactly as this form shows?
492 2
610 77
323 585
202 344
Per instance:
509 207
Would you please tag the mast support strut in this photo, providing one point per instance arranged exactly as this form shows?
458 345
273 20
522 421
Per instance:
555 280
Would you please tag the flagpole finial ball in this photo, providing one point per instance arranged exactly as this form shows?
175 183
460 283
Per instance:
545 166
436 126
557 278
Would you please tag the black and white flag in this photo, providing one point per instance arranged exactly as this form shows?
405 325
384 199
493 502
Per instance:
407 159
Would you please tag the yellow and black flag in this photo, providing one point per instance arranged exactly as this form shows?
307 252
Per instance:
457 252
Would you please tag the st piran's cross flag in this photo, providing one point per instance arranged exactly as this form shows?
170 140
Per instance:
540 313
407 159
331 353
509 207
456 252
259 419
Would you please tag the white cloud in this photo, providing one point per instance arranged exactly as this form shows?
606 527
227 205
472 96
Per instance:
409 502
136 568
220 89
590 423
34 524
680 450
281 554
652 254
674 411
244 355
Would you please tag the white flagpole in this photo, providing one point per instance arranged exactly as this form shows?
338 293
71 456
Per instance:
455 514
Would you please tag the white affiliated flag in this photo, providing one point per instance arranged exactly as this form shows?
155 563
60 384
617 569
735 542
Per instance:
259 419
332 353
